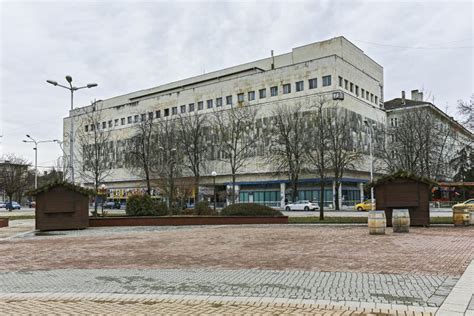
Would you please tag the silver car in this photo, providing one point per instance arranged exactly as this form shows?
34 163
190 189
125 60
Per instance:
302 205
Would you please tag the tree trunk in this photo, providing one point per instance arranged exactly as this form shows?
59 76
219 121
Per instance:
321 200
196 189
294 188
336 196
233 188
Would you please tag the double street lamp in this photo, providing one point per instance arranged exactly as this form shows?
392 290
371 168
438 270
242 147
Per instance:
214 174
32 140
71 133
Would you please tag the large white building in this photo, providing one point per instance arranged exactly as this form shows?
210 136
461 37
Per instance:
321 68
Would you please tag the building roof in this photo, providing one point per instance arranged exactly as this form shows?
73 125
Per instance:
397 103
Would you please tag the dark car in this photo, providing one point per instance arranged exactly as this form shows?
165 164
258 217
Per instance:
13 206
111 205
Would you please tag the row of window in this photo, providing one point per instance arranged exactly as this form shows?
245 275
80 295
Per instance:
353 88
218 102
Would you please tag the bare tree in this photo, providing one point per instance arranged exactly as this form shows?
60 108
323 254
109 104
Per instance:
169 156
233 130
421 143
317 150
289 138
95 152
467 111
342 152
15 178
141 151
191 140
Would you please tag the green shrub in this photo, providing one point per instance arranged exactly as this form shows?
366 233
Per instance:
140 205
249 209
202 208
161 209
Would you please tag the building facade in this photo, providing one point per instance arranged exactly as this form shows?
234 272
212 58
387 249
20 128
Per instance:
334 68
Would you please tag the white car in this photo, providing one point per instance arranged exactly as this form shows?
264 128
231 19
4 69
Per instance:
302 205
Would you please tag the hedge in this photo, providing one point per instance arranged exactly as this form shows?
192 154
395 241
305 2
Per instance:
249 209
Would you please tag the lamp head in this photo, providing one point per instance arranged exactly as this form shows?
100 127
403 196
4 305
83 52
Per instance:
68 78
25 141
54 83
28 136
91 85
214 173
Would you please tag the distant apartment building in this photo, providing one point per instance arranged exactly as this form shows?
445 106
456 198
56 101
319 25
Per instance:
335 68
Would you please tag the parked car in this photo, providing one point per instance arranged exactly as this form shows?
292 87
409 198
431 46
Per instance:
3 205
364 206
13 206
111 205
302 205
469 204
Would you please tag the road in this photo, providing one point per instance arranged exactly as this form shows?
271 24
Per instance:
434 212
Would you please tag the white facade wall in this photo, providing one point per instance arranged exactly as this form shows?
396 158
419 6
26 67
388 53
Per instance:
335 57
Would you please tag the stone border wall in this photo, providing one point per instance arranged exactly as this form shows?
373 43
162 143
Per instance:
3 222
184 220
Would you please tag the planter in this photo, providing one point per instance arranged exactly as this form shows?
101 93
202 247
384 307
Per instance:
461 217
3 222
184 220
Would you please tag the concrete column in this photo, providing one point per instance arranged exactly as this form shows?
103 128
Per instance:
340 195
361 188
282 194
334 194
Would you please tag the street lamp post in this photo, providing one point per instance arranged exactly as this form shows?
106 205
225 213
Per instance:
170 161
36 154
71 132
370 128
214 174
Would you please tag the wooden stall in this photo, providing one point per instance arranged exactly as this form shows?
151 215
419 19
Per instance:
61 206
402 191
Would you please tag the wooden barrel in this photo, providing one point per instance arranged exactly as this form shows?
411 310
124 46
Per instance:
401 221
377 222
461 216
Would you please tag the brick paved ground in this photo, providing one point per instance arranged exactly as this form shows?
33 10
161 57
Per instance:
433 251
183 307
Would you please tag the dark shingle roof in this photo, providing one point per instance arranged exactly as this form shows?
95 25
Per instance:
397 103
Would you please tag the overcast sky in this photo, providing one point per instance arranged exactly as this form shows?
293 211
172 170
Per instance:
126 46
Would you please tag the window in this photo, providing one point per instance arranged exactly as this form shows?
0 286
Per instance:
240 97
200 105
110 123
143 117
167 112
286 88
352 87
367 95
394 122
376 99
313 83
122 121
183 108
299 86
251 95
274 91
357 90
86 128
346 84
191 107
262 93
174 110
326 81
371 97
340 81
92 127
228 100
158 114
218 102
129 120
362 92
116 122
209 104
135 118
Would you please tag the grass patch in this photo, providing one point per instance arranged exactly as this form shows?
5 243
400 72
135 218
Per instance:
441 220
15 217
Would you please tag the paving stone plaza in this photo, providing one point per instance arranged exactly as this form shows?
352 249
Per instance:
261 269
